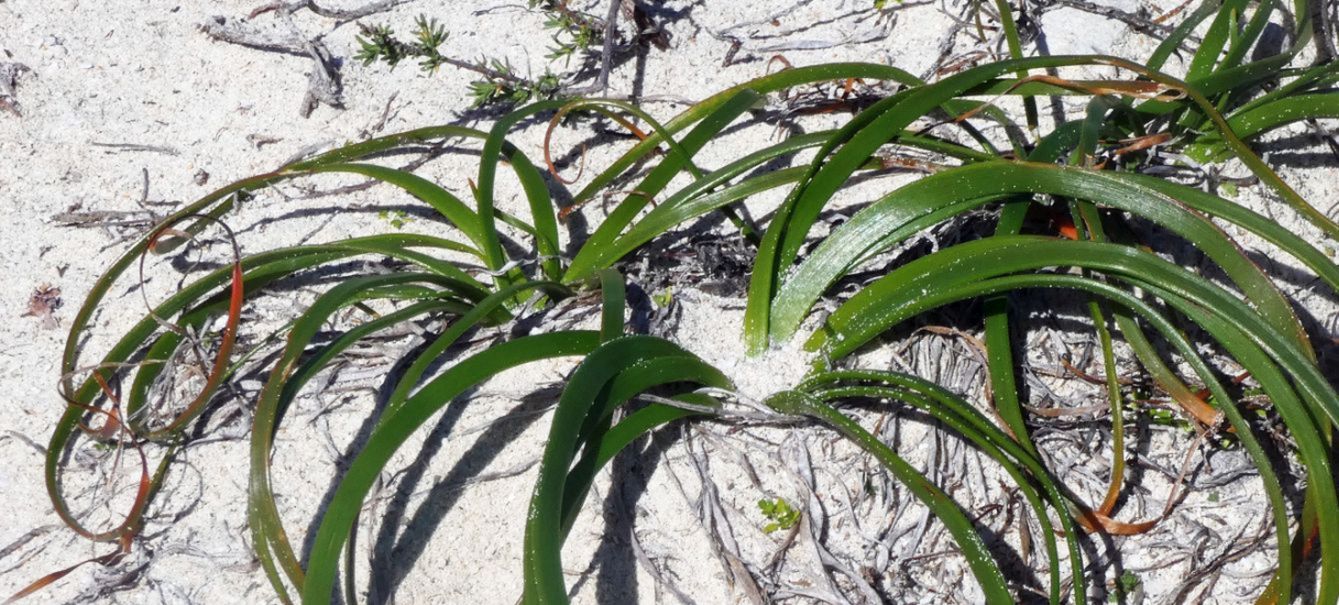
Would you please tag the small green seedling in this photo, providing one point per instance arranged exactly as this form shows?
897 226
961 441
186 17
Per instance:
780 512
663 298
1128 584
395 218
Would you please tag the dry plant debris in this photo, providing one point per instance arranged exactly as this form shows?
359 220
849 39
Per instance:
9 79
43 303
1047 431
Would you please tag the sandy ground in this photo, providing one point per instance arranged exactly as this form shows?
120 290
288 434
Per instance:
120 94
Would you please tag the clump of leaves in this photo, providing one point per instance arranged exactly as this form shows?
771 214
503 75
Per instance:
1090 177
1128 584
382 45
499 85
574 32
780 514
508 88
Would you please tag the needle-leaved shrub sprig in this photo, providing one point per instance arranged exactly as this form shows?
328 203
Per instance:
1063 200
574 34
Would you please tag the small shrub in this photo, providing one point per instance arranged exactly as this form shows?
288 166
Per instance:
1087 176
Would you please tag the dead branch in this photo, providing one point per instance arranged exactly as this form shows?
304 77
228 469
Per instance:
323 84
250 35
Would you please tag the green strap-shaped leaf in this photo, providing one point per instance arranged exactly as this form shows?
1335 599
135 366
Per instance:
394 430
659 177
959 272
614 372
782 80
930 200
267 531
467 321
983 566
449 206
1256 121
959 415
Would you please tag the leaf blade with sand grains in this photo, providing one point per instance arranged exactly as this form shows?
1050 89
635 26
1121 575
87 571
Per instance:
982 267
880 123
923 203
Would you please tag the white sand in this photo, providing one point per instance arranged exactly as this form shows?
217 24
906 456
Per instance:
142 73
